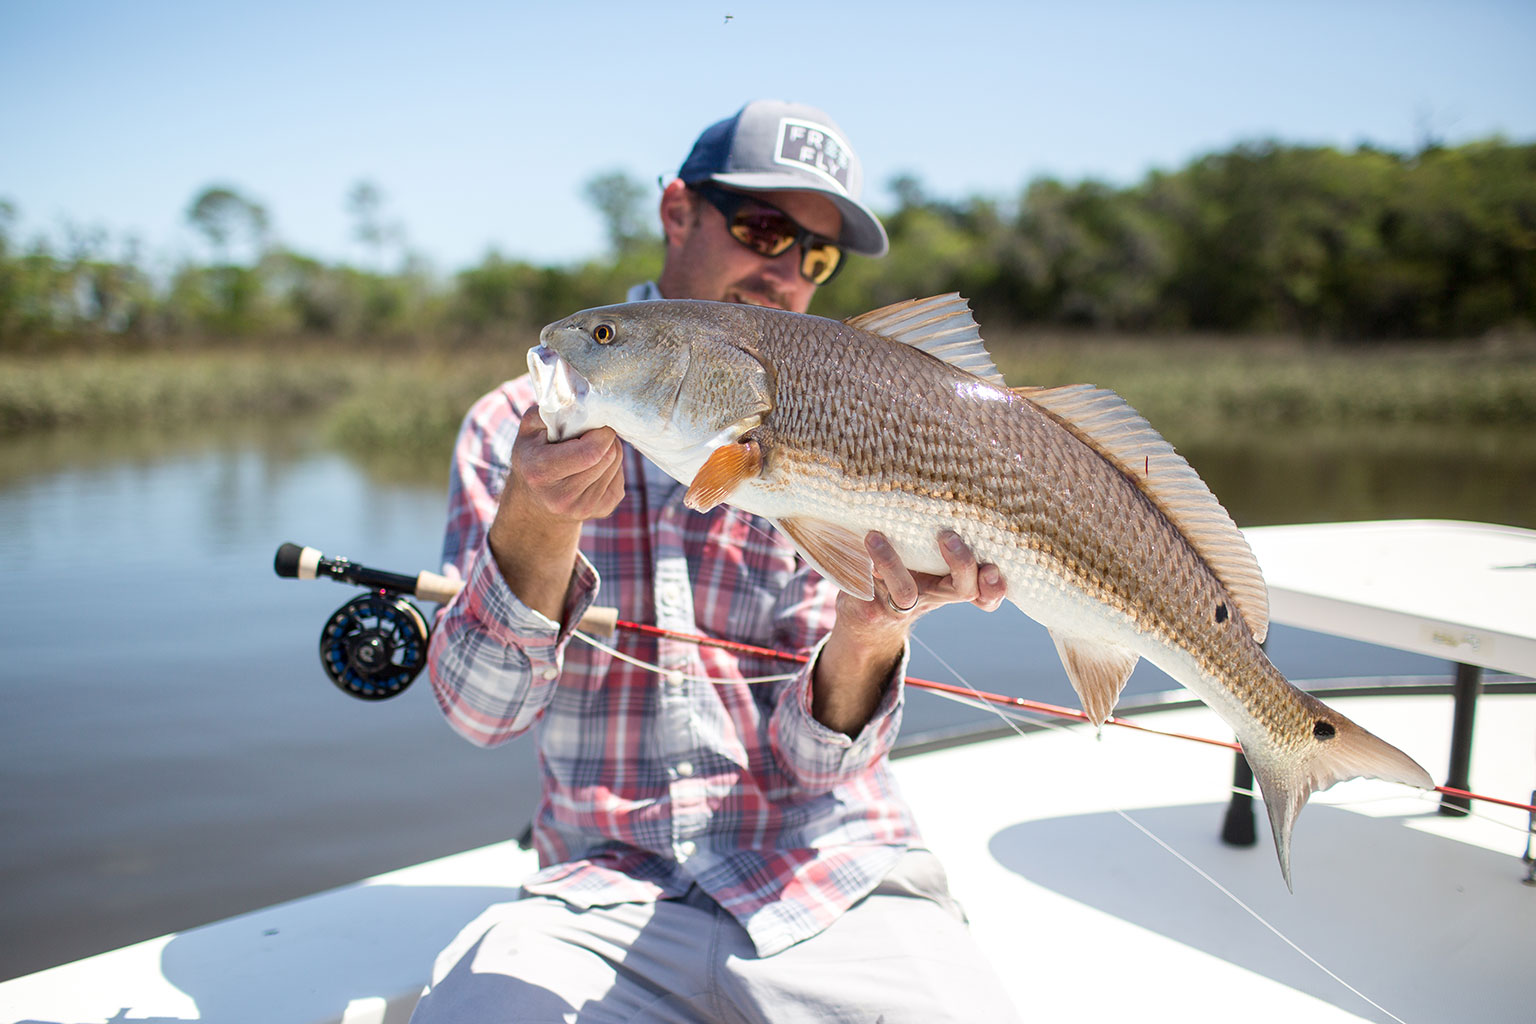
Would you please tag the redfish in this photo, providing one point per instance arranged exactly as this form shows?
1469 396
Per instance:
898 421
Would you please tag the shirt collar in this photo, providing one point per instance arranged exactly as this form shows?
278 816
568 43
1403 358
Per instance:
647 292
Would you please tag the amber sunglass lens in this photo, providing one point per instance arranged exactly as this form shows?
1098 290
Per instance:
819 262
766 232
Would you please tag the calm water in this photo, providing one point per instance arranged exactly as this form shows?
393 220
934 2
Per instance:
172 754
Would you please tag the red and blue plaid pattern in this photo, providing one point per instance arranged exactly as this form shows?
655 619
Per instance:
652 783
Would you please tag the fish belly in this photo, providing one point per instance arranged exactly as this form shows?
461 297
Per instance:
912 525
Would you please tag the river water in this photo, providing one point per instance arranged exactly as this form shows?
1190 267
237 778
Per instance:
171 752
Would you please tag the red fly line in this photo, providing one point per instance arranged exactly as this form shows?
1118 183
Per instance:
997 698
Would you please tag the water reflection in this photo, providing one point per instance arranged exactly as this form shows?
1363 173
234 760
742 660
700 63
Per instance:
1389 473
171 749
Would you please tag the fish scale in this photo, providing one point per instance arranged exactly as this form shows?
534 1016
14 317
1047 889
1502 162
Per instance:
897 421
967 489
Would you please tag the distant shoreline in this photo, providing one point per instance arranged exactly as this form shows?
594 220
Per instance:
1185 386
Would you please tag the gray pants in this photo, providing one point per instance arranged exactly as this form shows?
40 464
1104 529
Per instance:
902 954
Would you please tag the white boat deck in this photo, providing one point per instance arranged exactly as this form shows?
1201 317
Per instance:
1081 913
1089 918
1084 915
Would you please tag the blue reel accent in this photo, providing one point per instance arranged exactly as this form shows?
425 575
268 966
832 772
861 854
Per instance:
374 646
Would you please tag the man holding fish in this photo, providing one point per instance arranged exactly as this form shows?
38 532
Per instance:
710 847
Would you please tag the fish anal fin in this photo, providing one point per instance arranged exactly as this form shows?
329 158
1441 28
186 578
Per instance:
1098 672
940 325
1337 750
726 468
836 552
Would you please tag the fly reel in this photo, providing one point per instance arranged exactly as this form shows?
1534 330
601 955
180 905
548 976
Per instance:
374 646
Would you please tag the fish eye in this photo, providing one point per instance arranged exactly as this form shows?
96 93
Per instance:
602 333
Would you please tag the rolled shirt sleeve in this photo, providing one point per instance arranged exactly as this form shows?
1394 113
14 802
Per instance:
816 757
820 758
493 661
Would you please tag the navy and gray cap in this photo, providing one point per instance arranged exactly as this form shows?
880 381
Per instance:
770 146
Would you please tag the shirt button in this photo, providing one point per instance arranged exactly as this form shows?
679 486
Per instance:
687 847
550 673
685 768
675 680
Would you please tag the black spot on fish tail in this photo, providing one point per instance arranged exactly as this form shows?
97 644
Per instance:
1221 613
1323 730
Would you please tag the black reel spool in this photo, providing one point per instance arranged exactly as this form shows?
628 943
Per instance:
374 646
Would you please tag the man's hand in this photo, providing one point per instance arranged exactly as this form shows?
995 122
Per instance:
902 596
551 490
867 640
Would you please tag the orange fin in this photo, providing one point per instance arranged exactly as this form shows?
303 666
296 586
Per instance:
726 467
834 551
1098 672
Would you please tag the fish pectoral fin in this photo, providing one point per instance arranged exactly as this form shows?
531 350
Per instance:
1098 672
834 551
725 469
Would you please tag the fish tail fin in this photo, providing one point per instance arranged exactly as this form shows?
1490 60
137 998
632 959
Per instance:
1337 750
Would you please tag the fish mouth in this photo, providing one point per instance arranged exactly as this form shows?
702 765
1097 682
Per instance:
562 393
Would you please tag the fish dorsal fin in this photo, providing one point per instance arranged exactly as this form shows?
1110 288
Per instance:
1098 672
834 551
1102 419
941 325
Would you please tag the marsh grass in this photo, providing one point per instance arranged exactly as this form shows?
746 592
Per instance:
1206 388
405 407
168 388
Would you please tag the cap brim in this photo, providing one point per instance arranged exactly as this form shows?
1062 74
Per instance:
862 231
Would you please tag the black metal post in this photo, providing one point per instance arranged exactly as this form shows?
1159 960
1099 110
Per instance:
1238 828
1469 683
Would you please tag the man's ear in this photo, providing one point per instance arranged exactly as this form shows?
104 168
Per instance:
679 211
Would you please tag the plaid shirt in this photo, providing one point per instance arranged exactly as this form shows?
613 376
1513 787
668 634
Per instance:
652 783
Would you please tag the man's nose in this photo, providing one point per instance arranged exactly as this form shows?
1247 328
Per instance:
786 265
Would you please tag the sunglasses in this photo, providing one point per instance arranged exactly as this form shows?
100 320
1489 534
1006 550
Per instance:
769 231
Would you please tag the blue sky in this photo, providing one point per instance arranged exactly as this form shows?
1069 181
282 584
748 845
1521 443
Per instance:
480 121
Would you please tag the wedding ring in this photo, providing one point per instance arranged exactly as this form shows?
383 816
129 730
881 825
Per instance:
893 606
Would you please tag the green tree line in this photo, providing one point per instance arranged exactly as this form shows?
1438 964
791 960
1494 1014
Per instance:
1263 238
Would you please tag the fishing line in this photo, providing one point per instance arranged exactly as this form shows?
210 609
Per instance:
1229 894
994 702
670 673
1012 716
1183 859
1432 799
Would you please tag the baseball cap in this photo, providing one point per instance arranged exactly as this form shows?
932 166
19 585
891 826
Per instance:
769 145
